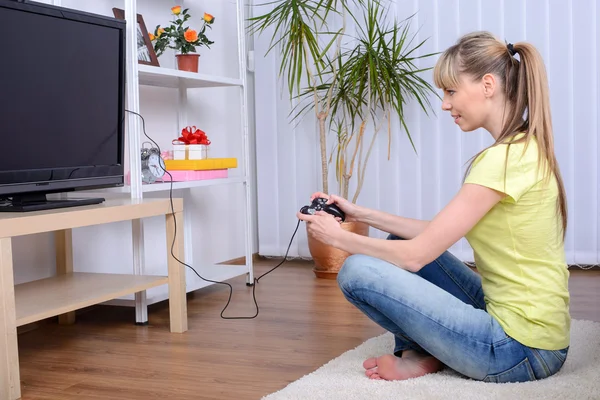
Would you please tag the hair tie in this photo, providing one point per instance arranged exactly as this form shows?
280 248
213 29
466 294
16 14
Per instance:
511 49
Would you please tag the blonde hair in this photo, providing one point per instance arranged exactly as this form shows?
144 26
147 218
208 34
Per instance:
525 86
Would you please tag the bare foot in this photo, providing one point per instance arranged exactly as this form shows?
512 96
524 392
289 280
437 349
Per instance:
411 365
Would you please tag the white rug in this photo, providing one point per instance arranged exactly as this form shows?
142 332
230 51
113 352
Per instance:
344 378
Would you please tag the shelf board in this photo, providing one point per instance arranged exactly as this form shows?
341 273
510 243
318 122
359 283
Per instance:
219 273
165 186
172 78
112 210
160 187
57 295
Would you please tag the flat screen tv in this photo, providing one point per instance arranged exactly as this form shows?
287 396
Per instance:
62 104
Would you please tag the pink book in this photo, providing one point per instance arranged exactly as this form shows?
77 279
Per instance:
181 176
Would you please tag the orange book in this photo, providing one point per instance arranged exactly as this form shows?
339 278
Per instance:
200 165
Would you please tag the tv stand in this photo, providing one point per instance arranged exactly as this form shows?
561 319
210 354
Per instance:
69 290
39 202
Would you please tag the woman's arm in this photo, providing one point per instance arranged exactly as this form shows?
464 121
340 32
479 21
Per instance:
470 205
406 228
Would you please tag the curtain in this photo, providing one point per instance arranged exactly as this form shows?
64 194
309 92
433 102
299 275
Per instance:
420 185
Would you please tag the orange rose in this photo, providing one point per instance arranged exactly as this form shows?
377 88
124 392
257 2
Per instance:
208 18
190 35
176 10
159 32
152 37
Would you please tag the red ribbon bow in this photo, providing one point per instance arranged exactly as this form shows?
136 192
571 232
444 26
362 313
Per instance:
193 135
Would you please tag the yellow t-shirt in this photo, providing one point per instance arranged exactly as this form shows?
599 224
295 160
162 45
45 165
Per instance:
518 248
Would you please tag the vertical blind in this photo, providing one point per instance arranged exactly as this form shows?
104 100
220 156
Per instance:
420 185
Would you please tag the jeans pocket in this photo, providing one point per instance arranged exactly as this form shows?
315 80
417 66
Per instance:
522 372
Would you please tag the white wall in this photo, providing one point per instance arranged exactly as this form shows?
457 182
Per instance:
565 32
218 231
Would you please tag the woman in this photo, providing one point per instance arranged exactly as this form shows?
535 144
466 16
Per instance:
510 322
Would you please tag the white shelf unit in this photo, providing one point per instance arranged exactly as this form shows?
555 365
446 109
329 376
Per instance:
138 75
183 81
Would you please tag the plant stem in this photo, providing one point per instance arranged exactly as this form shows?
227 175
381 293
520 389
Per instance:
323 140
389 131
361 174
359 139
338 46
321 116
360 136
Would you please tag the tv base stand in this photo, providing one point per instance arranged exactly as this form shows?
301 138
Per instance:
68 291
39 202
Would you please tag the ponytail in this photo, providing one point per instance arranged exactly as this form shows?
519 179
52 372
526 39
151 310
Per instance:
533 98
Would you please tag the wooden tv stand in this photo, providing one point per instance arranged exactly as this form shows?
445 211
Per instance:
68 291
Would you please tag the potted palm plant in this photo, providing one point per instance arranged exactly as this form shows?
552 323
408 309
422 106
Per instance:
355 84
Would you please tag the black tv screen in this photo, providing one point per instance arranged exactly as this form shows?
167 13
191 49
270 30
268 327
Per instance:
62 100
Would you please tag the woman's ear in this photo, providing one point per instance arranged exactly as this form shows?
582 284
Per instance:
489 85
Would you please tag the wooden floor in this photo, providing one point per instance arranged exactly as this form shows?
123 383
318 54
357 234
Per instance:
303 323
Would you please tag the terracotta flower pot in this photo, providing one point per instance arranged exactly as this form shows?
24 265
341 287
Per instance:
188 62
329 260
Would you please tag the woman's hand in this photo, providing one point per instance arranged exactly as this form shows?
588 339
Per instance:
352 211
323 227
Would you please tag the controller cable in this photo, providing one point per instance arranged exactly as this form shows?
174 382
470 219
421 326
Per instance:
190 267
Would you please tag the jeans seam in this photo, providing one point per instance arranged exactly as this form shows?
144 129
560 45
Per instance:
503 341
458 283
525 362
540 360
404 337
423 315
560 359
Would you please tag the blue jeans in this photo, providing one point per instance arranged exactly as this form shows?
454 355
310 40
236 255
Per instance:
440 311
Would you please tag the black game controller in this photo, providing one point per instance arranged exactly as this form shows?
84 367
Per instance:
320 204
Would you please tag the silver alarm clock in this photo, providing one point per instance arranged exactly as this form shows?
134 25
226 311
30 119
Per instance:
153 166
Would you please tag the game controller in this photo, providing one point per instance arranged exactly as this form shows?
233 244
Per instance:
320 204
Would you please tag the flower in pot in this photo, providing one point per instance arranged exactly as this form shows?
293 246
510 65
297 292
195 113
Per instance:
354 89
182 38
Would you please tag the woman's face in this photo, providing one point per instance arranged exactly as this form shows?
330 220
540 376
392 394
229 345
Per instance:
467 103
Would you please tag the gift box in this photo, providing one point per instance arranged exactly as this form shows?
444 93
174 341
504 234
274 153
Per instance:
193 144
183 151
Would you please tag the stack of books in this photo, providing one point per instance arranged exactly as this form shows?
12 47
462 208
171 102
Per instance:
195 170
